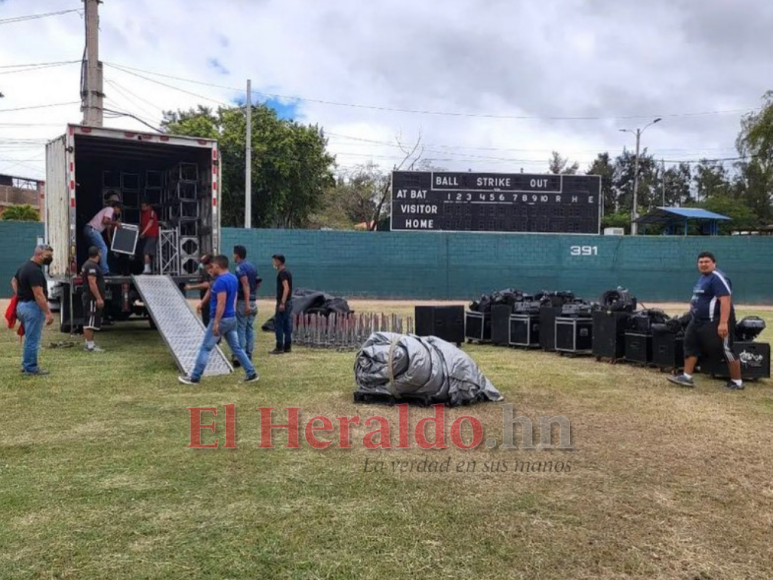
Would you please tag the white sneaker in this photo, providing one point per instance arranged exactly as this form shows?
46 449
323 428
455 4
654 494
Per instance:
94 348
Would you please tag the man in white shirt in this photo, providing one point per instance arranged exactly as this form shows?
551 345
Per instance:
95 228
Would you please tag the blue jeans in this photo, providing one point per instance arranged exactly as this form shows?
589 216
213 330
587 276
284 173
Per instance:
96 239
246 326
33 319
227 331
283 326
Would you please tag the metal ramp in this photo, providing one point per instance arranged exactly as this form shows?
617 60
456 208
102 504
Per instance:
179 326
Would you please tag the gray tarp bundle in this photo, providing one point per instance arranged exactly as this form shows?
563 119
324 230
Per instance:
397 368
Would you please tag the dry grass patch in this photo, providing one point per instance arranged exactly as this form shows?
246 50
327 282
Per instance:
96 480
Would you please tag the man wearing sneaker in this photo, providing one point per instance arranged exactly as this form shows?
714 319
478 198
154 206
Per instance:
283 316
222 322
93 298
712 326
149 231
246 307
32 309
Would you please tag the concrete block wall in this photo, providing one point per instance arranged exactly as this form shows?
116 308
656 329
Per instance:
462 266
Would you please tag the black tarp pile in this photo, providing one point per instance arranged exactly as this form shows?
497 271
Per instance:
397 368
313 302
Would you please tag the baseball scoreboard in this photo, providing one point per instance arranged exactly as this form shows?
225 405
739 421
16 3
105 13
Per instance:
495 202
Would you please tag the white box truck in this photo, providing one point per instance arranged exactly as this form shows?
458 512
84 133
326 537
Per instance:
178 175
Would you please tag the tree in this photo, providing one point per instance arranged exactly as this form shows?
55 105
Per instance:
22 213
411 159
621 219
353 198
755 142
742 216
560 165
751 186
602 166
291 168
710 179
648 192
675 184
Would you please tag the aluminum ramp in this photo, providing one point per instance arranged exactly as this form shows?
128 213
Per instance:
179 326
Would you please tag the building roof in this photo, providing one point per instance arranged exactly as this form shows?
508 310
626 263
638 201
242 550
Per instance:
671 214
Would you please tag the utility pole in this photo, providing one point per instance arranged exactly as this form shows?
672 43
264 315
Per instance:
248 162
92 91
634 212
663 180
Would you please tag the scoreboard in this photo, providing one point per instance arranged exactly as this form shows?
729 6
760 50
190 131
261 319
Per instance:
495 202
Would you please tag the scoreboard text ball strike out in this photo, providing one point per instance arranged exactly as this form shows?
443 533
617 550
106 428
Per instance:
495 202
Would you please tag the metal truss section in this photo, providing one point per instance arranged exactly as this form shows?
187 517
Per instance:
169 249
180 328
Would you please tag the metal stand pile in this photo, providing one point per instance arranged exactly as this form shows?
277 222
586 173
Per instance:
345 332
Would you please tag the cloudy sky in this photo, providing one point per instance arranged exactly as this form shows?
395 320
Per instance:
488 85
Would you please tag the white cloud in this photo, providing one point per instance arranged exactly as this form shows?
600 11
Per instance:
555 58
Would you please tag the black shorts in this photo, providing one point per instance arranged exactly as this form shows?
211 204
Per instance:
150 247
92 315
702 340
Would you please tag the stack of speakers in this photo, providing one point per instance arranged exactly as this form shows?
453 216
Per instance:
445 322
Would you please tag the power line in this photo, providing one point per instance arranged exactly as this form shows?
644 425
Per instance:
135 117
38 64
128 69
40 107
37 16
173 87
133 98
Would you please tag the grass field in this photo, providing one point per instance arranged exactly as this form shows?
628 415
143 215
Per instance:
96 481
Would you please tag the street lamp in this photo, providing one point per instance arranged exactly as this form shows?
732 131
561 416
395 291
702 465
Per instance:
638 133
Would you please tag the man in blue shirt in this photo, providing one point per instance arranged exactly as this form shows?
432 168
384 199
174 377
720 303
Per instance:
222 322
246 307
712 325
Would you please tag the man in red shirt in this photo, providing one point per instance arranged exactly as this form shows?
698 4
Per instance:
149 234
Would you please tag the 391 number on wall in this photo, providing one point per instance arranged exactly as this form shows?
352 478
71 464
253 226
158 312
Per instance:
584 250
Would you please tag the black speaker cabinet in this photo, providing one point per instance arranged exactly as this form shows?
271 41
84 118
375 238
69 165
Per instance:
547 326
500 324
755 361
609 334
446 322
525 330
477 326
638 347
668 351
574 335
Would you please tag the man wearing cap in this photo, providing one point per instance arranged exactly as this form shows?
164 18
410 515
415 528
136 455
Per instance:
93 230
32 309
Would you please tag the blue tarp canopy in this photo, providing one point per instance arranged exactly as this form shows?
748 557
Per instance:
676 218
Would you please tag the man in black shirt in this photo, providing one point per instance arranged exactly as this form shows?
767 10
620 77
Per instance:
283 316
93 297
32 310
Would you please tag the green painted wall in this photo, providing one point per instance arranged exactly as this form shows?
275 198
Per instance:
463 266
17 244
